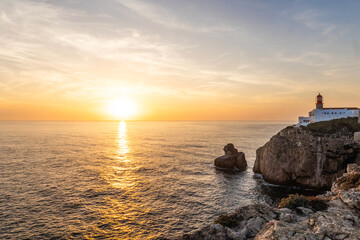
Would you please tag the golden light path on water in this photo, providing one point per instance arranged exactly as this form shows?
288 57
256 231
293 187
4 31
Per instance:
124 180
123 148
121 179
121 174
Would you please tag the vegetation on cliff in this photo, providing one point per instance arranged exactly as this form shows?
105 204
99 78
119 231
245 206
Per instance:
334 126
293 201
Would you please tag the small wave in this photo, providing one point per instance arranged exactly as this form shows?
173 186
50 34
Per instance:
142 169
227 170
182 146
73 204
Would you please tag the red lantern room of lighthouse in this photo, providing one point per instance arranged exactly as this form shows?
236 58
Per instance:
319 102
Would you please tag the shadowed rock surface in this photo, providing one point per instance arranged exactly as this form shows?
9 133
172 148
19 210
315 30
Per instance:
338 220
308 157
232 159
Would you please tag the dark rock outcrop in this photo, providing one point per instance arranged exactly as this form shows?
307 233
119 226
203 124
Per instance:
232 159
306 158
340 219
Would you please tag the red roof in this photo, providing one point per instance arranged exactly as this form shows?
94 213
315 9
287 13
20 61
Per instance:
319 95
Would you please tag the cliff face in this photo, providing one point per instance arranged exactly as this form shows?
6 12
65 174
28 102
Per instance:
304 158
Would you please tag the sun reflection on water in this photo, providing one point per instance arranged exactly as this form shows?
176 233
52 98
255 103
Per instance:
125 207
121 176
122 142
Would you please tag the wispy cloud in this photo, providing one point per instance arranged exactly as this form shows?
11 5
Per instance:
309 58
41 43
313 19
166 18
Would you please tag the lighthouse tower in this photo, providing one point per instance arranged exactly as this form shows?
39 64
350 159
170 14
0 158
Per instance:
319 102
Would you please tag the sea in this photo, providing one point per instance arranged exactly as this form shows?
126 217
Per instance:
125 180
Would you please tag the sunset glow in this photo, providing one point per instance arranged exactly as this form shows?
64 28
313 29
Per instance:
122 108
179 119
233 60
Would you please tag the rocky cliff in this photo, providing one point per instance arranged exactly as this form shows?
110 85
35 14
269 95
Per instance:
309 157
334 215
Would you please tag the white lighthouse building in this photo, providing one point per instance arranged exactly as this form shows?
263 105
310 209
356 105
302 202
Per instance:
325 114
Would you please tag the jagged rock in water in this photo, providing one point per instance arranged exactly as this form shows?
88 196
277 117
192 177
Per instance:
231 159
304 158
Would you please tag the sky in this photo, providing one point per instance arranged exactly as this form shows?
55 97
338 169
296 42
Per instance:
177 60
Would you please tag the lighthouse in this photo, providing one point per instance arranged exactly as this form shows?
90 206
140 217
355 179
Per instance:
319 102
325 114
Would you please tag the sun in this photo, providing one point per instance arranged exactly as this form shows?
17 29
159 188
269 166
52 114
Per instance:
122 108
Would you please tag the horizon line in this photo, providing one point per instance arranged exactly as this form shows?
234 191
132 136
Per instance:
4 120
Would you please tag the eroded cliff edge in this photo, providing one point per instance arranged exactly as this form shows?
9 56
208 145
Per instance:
309 157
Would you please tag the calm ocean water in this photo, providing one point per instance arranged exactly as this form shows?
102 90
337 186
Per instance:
135 180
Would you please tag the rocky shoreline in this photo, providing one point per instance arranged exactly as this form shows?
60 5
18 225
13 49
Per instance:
334 215
322 156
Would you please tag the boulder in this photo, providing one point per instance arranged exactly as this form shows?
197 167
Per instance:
297 156
232 159
349 180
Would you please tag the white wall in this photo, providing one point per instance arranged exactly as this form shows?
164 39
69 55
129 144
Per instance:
329 114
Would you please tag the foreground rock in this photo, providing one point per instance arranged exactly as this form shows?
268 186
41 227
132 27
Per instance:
347 187
357 134
334 215
311 157
232 159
